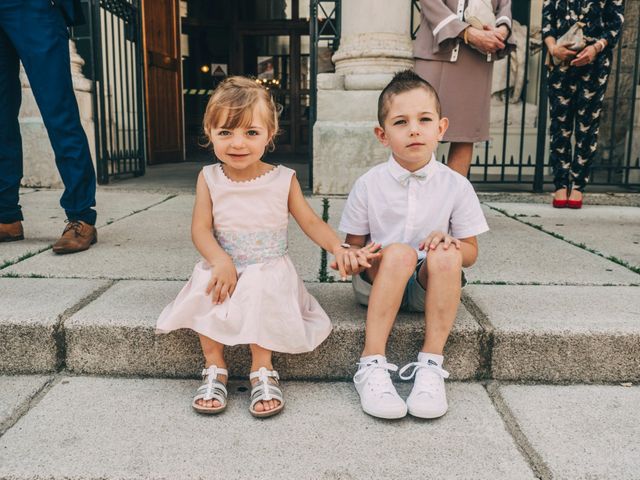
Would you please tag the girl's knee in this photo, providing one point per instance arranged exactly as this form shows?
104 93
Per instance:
400 255
441 260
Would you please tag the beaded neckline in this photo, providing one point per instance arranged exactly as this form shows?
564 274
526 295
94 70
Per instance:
251 180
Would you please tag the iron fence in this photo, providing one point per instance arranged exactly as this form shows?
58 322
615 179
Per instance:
324 30
111 43
518 152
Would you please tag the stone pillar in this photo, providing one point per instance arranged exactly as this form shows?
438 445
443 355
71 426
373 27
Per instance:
375 43
39 160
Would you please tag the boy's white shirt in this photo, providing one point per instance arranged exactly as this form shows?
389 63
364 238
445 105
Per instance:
392 206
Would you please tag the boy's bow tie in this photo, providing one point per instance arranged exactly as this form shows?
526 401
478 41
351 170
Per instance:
405 177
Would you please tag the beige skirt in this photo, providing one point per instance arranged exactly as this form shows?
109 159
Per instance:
464 88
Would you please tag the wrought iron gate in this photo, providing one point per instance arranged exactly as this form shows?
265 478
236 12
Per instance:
518 150
112 46
325 33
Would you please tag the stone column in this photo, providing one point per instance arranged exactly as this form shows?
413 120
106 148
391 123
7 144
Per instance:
375 43
39 160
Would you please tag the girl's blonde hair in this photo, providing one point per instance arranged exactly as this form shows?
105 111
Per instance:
232 104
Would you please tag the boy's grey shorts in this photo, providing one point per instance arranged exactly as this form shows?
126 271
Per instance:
412 299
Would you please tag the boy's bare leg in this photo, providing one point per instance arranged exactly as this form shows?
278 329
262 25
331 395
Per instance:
213 355
261 357
389 276
460 156
441 275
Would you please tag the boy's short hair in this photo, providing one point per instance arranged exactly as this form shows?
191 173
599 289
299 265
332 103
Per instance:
403 82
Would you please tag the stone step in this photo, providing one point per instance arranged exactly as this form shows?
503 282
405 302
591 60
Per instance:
507 332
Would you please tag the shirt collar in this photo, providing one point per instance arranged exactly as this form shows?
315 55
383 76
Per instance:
399 173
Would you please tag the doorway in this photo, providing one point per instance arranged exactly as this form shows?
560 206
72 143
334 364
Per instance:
264 39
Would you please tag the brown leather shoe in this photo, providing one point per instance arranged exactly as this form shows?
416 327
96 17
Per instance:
77 236
10 232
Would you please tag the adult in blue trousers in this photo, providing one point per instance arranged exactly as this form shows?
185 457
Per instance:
36 33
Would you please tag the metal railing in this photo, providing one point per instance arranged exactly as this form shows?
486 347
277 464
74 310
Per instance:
112 38
518 152
324 30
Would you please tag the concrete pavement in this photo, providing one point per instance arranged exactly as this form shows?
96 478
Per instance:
552 299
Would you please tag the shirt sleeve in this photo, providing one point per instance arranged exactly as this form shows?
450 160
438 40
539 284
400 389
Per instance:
549 19
613 18
355 217
443 23
467 219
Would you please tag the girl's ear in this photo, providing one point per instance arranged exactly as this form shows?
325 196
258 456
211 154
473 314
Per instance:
443 124
381 135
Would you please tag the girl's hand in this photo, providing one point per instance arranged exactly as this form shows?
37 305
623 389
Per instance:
353 261
562 53
435 238
587 55
224 278
486 41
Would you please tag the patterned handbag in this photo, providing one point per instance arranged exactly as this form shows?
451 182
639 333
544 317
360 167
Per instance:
573 39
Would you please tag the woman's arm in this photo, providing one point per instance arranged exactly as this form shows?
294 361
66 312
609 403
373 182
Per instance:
549 21
504 18
442 21
613 19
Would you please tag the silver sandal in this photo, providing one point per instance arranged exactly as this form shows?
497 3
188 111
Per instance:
265 390
211 389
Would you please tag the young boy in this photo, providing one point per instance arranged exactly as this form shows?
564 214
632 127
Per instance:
426 217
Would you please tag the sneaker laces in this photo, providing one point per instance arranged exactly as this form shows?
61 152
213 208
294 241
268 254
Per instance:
428 375
376 373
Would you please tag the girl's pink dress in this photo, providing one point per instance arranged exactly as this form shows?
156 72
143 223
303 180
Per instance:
270 305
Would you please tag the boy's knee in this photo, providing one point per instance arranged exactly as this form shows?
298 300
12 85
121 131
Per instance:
441 260
400 255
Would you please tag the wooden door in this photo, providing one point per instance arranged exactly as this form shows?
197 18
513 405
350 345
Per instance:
163 82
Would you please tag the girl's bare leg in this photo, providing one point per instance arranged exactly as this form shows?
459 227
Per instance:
261 357
213 355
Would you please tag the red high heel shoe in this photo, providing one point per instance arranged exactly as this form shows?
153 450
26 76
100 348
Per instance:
560 203
575 204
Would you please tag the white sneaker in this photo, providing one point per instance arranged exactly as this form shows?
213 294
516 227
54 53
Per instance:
428 398
378 396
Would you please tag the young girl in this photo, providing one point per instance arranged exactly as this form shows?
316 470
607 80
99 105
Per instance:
246 290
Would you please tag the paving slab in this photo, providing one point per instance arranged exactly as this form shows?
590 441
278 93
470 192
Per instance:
581 431
610 230
15 394
146 429
155 244
30 313
44 218
562 334
512 252
115 335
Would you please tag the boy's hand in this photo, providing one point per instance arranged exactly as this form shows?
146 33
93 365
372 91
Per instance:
437 237
354 260
224 278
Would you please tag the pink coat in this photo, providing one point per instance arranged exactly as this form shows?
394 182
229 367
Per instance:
440 26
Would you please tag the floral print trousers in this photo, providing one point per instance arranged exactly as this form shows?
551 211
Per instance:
575 99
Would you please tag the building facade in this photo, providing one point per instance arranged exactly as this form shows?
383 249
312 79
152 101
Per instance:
146 68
